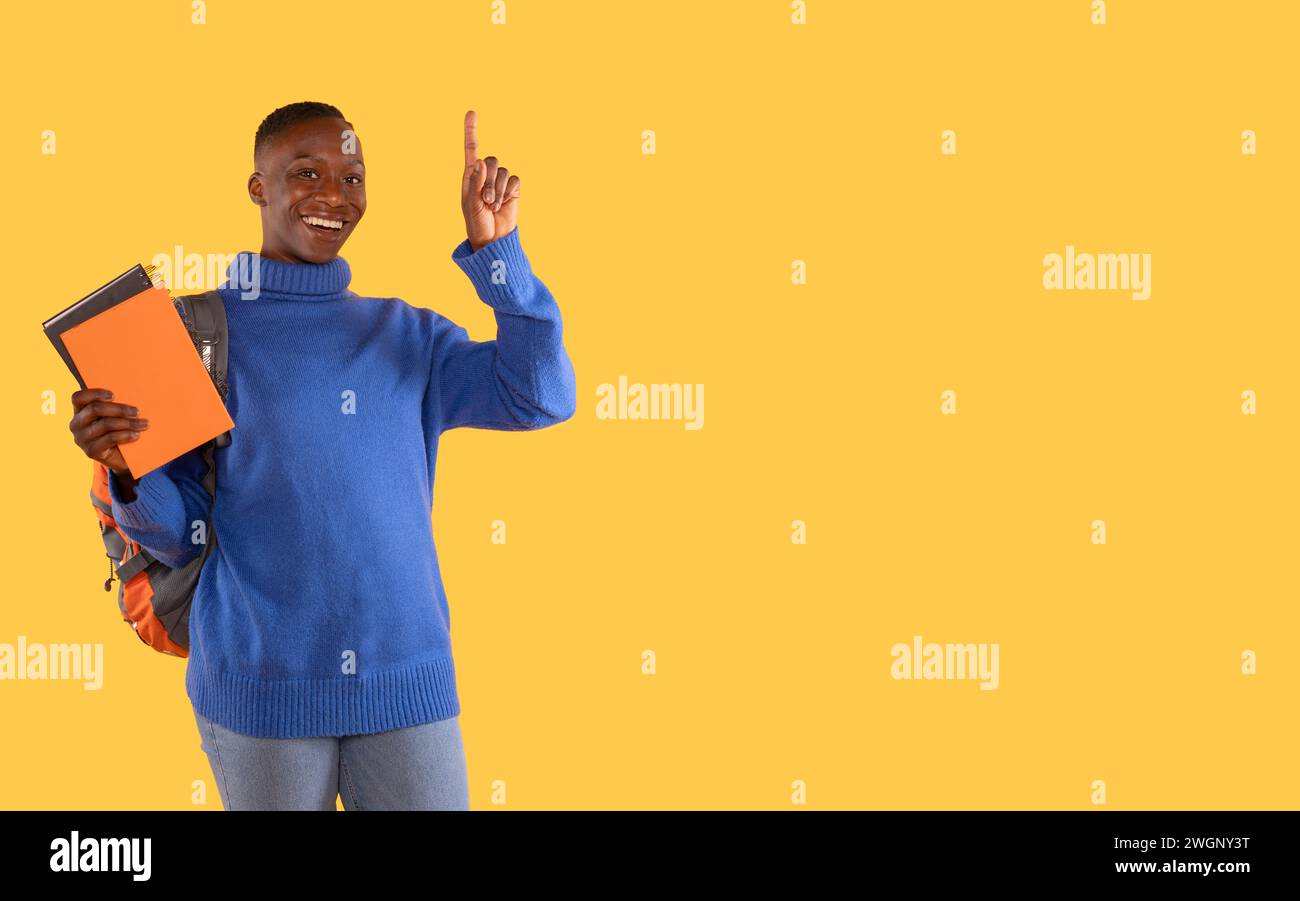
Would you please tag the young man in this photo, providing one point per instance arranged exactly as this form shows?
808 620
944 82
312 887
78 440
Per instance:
320 653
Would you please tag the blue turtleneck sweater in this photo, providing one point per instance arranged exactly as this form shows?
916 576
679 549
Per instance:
321 609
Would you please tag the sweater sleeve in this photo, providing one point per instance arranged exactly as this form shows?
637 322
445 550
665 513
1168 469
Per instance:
522 380
168 501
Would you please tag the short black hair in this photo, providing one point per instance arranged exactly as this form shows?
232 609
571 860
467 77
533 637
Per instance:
292 114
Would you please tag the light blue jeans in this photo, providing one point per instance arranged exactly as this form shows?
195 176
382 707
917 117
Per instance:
417 768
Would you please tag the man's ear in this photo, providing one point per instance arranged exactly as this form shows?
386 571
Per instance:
255 189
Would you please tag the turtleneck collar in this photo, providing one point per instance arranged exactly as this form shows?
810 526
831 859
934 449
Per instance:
275 280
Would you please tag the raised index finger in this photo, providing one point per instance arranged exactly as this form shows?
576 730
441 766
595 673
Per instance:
471 139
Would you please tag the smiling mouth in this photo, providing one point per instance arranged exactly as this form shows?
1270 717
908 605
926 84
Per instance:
323 225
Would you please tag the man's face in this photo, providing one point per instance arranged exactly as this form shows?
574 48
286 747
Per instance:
312 170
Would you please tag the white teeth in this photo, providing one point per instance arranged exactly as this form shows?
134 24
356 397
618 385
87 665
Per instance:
327 223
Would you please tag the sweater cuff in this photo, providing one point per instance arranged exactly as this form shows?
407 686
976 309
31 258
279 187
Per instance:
503 257
149 505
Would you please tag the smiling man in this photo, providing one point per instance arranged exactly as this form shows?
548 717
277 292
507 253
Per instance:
320 652
310 181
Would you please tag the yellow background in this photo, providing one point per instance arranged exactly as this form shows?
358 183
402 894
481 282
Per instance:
775 143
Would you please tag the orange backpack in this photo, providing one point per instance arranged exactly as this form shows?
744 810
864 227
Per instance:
152 596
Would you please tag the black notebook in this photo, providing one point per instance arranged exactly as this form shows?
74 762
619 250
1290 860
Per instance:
127 285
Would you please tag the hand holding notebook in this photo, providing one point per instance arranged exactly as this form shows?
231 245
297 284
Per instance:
101 430
134 343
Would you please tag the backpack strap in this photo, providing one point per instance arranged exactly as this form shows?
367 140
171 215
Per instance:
206 316
134 566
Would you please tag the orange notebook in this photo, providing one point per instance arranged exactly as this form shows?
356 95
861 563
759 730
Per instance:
141 351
